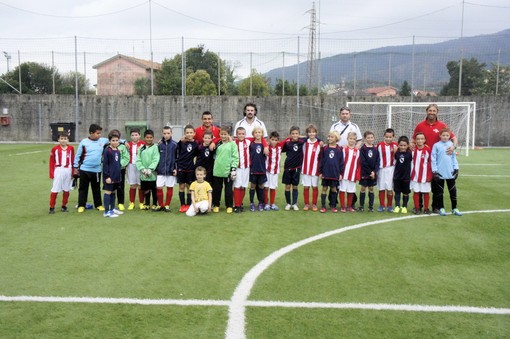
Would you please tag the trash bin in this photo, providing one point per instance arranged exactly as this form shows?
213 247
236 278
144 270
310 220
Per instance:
129 125
63 127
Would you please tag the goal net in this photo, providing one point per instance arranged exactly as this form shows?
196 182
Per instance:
404 116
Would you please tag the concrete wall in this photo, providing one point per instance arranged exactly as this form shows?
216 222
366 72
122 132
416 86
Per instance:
31 115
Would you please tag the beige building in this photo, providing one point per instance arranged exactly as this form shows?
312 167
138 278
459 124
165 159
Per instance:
382 91
117 75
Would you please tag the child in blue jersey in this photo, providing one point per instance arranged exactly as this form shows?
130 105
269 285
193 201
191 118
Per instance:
330 171
87 164
166 170
258 176
205 157
445 167
369 158
187 150
293 146
402 175
112 176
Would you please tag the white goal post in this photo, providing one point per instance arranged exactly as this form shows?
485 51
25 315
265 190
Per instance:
404 116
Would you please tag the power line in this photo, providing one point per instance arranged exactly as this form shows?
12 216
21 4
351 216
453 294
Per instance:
484 5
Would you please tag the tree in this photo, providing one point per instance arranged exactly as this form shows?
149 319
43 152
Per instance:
168 79
35 79
405 90
200 83
142 86
493 80
68 84
259 85
472 77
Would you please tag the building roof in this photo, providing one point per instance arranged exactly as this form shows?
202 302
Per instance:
140 62
377 90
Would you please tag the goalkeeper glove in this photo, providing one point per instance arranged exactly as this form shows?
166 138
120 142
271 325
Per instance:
455 173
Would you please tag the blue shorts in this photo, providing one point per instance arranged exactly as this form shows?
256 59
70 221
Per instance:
258 179
185 177
291 177
368 182
402 186
111 187
330 183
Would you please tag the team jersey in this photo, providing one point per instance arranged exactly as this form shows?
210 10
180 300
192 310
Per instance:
369 159
442 162
422 165
332 162
111 165
343 131
257 158
273 159
243 149
386 154
186 153
89 153
199 133
249 127
431 131
226 159
133 150
148 158
167 157
294 150
200 190
60 157
311 157
205 158
403 161
352 168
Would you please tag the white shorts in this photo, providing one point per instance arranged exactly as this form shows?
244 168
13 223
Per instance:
385 178
272 180
309 180
347 186
202 206
166 180
242 178
62 179
132 175
420 187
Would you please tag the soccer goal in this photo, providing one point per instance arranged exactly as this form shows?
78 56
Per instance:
404 116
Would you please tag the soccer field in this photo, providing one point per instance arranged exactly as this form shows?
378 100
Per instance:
285 274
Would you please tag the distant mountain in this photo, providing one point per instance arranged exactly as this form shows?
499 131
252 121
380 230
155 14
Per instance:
372 66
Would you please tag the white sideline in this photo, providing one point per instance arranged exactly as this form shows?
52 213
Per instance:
236 317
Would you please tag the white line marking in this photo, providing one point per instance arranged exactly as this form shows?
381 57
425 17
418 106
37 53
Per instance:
482 165
236 317
486 175
25 153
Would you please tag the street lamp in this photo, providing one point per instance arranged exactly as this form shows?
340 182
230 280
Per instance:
7 57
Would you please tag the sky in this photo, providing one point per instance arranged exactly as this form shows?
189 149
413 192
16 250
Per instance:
237 29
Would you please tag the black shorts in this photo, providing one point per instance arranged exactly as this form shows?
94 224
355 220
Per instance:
147 185
291 177
258 179
330 183
185 177
111 187
368 182
402 186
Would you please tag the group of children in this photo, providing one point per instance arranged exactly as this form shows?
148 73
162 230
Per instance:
236 163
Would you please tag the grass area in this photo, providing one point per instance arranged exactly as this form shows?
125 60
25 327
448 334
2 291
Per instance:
426 260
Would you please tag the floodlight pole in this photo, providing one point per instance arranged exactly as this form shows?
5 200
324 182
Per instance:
7 57
461 49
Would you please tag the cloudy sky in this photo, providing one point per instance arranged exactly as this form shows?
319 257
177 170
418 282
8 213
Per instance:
232 27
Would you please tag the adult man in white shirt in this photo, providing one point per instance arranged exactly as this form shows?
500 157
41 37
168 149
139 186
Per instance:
250 121
344 126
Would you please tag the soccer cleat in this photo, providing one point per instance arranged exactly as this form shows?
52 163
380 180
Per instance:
145 207
52 211
306 208
343 210
274 207
427 212
396 209
116 211
153 207
131 206
100 208
216 209
267 207
288 207
416 211
182 209
403 210
229 210
261 207
315 208
435 211
390 209
323 210
381 209
142 206
442 212
370 209
252 207
350 209
295 207
237 210
456 211
361 209
64 209
334 210
81 209
158 209
167 208
121 207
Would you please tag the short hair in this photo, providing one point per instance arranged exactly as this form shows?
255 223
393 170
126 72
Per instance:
225 128
274 134
445 129
367 133
352 133
311 128
419 133
113 134
93 128
404 139
344 108
200 169
256 128
240 129
63 135
294 128
148 132
134 130
167 127
189 126
389 130
208 133
206 113
335 134
116 131
250 104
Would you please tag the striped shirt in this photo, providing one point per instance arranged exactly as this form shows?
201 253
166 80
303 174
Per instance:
273 159
422 165
133 150
311 157
352 168
386 154
61 158
243 147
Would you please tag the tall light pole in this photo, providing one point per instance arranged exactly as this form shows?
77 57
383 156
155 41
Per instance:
7 57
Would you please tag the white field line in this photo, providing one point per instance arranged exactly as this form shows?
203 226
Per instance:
237 310
257 303
483 165
487 175
25 153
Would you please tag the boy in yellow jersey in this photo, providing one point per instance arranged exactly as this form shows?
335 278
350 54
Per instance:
201 194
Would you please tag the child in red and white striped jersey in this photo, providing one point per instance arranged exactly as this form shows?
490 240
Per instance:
421 174
386 149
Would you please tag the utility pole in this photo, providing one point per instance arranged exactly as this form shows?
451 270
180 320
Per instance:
311 74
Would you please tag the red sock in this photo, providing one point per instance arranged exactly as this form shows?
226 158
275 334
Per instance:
341 197
242 193
381 198
350 196
236 197
132 195
389 196
169 194
266 191
426 199
141 195
416 199
306 195
53 199
315 195
159 192
272 196
65 198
